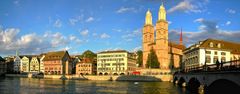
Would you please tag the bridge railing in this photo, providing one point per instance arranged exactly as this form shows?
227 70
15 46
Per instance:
233 65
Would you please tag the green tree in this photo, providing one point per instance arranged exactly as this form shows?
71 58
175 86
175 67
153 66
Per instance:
88 54
140 57
152 60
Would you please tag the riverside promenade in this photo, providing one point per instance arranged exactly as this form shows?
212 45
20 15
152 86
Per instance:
147 78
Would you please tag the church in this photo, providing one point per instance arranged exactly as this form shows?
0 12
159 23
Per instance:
169 54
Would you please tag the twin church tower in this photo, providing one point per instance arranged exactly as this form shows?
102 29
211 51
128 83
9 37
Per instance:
168 53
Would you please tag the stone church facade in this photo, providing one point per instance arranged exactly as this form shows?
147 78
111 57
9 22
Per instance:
169 54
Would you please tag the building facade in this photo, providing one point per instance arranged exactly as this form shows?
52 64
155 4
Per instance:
169 54
75 60
57 63
118 62
17 64
10 64
86 66
25 62
209 51
34 65
41 63
3 66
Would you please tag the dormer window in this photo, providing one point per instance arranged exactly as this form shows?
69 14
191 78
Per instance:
211 44
219 45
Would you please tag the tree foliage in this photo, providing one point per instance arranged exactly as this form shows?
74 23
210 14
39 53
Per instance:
88 54
140 58
152 61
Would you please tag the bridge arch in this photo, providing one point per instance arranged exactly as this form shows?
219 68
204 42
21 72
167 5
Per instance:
193 85
223 86
182 82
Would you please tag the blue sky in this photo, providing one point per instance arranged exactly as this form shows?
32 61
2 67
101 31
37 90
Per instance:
37 26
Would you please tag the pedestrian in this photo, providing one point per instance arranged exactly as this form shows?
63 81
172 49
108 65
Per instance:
221 65
217 63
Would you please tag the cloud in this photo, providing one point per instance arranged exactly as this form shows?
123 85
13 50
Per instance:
16 2
131 35
58 23
137 48
94 34
32 43
169 22
104 36
29 43
228 23
230 11
75 20
67 48
188 6
84 32
78 41
126 9
207 29
57 39
117 30
198 20
71 37
90 19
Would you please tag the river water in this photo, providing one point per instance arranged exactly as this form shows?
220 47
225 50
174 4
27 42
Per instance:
10 85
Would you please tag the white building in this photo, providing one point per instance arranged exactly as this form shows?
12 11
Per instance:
17 64
209 51
41 63
118 62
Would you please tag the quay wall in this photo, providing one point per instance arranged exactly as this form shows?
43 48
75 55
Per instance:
105 77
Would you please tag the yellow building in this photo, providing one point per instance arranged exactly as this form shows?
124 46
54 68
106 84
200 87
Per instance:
169 54
25 64
86 66
118 62
35 64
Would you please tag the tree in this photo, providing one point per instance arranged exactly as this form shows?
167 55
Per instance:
152 60
139 58
88 54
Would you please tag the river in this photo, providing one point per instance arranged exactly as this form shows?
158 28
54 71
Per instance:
16 85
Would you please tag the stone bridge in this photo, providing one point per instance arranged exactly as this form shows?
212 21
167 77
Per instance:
209 82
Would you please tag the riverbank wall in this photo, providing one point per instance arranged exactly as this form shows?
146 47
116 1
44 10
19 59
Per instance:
104 77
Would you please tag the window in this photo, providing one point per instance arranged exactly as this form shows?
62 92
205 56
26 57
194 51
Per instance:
219 45
223 53
215 52
223 59
208 52
211 44
208 59
215 59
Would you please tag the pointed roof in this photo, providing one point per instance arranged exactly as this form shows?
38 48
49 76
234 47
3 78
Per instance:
148 19
1 59
58 55
162 6
181 39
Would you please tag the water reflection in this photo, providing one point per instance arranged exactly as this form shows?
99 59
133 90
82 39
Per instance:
51 86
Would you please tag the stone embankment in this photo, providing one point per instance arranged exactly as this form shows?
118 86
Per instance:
104 77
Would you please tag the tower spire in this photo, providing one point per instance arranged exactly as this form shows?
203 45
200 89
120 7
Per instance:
162 13
17 52
148 19
180 40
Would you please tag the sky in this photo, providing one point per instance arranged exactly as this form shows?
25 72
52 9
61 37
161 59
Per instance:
39 26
